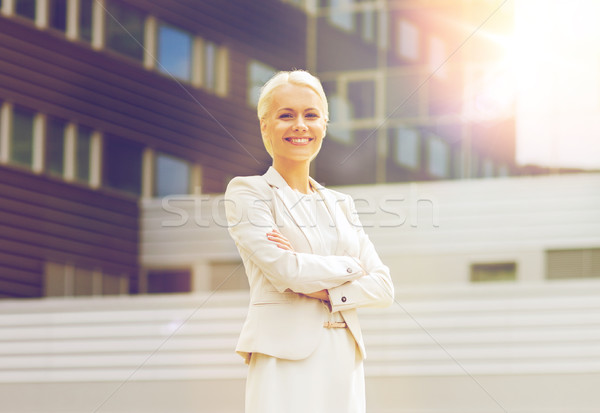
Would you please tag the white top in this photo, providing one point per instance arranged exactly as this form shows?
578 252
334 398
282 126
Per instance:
319 220
317 216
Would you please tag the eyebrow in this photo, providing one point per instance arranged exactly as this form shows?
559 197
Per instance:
293 110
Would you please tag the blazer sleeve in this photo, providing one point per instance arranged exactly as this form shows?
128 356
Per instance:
249 216
375 289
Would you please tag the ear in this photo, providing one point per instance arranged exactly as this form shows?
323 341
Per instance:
263 125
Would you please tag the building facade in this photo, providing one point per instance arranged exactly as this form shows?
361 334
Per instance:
106 102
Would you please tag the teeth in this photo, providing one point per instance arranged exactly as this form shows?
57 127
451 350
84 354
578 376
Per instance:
298 140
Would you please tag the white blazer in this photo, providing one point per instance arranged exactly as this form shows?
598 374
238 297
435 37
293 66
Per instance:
281 322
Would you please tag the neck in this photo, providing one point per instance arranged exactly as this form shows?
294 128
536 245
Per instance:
294 173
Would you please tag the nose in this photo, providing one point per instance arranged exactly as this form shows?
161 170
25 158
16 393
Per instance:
300 126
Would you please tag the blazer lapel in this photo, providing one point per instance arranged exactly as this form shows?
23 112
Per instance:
283 192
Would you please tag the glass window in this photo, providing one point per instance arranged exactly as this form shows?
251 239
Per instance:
437 157
169 281
258 74
437 57
25 8
227 275
172 175
458 162
474 165
488 168
174 52
57 10
55 146
123 165
210 65
407 147
362 98
83 154
368 25
402 99
503 170
85 20
111 284
574 263
341 15
124 30
83 282
407 45
339 115
504 271
21 148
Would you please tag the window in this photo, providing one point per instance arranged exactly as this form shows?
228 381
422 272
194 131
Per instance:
209 66
124 30
573 263
503 271
407 45
503 171
341 15
339 115
172 175
458 162
55 146
123 165
67 280
407 148
258 74
21 148
437 57
85 20
228 275
25 8
169 281
83 154
83 284
437 157
57 11
362 97
368 26
113 284
474 164
488 168
402 99
174 52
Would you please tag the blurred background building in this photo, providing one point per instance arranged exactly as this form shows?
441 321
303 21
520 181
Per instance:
107 103
122 121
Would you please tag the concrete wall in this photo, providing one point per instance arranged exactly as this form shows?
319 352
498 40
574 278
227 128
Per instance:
427 233
519 348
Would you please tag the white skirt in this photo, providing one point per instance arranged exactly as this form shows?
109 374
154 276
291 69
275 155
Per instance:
331 380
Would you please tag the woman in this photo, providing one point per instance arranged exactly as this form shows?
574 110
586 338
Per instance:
309 264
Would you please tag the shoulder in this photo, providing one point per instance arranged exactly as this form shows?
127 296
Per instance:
255 183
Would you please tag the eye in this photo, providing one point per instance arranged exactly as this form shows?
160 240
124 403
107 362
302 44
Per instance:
312 115
285 116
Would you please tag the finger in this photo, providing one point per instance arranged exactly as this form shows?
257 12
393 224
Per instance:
276 236
280 241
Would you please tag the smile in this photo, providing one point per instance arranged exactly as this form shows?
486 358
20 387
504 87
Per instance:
298 141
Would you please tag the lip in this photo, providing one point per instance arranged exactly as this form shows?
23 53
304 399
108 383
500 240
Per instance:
299 141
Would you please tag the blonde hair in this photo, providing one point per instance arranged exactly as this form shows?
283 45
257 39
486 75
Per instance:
295 77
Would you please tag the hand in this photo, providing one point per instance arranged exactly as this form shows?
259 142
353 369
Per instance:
281 241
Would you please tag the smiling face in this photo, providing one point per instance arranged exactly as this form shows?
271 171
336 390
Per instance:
295 125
